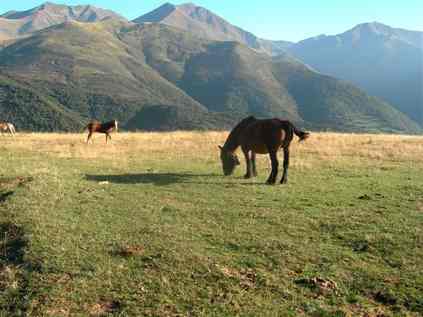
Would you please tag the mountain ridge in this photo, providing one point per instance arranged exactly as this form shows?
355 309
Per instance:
386 62
209 25
155 76
18 24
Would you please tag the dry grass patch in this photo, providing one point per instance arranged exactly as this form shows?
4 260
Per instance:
177 145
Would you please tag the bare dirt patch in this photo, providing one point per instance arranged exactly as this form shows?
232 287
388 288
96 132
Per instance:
129 251
320 285
247 277
15 181
105 307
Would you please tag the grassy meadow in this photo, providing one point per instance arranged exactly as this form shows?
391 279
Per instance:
149 226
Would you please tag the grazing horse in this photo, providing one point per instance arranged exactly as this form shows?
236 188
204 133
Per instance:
260 137
106 128
8 128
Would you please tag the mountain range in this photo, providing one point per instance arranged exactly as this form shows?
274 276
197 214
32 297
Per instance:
386 62
178 67
18 24
206 24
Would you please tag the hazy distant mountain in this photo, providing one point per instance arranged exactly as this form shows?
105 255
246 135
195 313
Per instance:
384 61
208 25
155 76
15 24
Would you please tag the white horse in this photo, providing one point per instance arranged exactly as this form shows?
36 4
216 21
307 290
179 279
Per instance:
6 127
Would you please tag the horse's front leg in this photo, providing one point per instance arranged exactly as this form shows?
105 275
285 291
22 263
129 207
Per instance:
284 179
248 163
275 166
89 137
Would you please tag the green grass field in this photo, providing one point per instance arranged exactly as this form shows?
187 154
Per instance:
148 226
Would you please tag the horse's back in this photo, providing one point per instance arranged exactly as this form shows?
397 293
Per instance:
96 126
93 125
259 135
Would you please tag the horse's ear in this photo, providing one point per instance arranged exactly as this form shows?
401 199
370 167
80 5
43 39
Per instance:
220 147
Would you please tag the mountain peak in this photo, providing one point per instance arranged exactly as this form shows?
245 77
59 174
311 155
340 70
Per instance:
49 5
373 27
157 15
23 23
85 13
194 10
208 25
167 5
188 5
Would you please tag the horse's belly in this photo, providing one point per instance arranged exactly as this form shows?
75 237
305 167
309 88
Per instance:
259 148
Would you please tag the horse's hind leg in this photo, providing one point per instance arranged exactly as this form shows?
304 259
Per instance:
249 164
284 179
275 166
253 163
108 137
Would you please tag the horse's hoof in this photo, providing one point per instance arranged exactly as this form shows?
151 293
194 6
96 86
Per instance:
284 181
247 176
270 183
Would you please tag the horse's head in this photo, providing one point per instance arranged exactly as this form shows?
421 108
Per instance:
229 161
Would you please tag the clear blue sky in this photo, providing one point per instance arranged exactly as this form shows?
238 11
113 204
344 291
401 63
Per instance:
275 19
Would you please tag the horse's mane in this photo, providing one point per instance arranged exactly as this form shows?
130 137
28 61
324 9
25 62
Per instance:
232 141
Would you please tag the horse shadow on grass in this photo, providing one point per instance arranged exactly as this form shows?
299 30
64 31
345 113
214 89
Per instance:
164 179
13 245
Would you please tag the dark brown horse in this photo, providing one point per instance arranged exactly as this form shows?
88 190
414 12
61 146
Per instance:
106 128
260 137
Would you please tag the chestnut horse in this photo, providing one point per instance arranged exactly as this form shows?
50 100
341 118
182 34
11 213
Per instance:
106 128
260 137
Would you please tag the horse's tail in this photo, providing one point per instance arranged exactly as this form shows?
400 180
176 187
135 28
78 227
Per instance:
301 134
